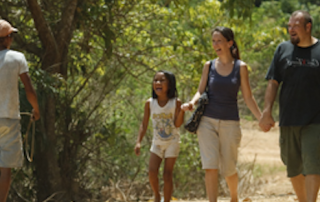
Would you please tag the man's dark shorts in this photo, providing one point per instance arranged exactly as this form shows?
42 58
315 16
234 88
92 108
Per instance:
300 149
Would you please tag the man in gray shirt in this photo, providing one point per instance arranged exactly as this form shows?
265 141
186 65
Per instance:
295 66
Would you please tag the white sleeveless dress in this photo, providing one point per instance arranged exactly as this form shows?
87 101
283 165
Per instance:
164 130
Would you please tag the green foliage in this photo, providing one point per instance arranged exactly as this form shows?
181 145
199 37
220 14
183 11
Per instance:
242 8
188 175
288 6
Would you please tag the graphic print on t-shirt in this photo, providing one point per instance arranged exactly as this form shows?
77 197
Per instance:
303 62
163 125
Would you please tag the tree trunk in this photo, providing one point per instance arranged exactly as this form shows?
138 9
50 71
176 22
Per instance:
48 172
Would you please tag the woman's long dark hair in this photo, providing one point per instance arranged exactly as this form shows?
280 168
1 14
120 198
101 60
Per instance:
172 91
228 34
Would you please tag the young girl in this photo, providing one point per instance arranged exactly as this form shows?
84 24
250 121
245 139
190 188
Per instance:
164 108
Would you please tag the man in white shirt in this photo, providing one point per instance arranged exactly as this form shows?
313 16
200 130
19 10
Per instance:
13 66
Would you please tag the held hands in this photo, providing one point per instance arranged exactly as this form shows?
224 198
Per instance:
266 121
187 106
137 149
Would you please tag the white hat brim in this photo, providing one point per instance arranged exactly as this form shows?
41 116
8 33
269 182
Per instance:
14 29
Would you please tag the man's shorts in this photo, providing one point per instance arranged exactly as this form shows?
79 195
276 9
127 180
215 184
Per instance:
170 150
11 151
219 141
300 149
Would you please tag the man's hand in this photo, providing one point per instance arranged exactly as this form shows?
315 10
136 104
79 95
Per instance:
35 115
266 121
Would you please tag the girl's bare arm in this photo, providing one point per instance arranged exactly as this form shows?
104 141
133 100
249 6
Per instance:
143 127
179 114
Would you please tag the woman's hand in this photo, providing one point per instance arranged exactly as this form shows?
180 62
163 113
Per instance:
187 106
266 121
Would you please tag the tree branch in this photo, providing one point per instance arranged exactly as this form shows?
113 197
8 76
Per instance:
87 79
65 25
45 33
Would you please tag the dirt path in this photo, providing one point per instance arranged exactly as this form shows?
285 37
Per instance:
264 148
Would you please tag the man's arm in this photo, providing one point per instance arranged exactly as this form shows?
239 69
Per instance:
31 94
266 121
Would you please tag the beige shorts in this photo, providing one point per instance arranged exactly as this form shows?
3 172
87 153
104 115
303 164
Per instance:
170 150
11 151
219 141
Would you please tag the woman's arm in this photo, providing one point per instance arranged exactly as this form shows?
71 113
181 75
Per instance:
201 88
143 127
246 91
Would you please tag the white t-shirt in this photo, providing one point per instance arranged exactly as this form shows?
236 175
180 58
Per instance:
164 130
12 64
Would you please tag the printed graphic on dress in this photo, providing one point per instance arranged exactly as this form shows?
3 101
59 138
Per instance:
164 126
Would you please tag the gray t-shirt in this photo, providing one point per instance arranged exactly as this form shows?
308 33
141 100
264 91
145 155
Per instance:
12 64
298 70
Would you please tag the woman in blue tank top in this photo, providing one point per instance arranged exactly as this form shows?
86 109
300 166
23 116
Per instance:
219 132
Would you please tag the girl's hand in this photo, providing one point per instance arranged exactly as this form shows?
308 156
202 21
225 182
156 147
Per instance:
187 106
137 149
